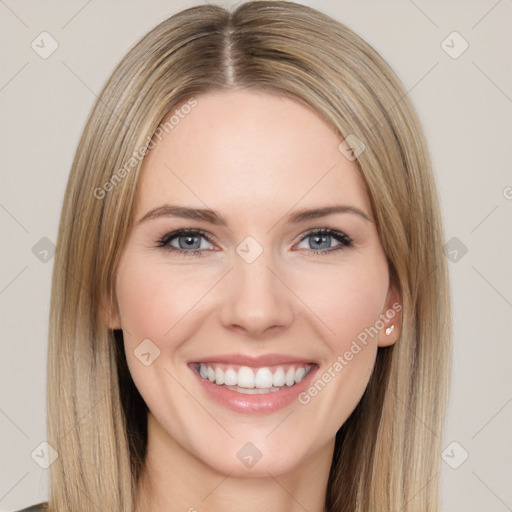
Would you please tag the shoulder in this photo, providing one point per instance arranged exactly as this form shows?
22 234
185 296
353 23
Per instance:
40 507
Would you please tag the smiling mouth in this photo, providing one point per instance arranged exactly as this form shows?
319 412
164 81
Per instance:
253 381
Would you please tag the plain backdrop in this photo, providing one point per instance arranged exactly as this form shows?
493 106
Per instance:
464 99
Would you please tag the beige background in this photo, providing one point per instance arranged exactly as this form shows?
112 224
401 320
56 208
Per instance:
465 104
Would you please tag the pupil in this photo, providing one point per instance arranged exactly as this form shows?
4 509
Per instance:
189 240
318 238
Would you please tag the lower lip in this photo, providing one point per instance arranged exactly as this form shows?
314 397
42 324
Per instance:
255 404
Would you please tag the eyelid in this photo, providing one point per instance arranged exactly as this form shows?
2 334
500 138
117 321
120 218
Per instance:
327 231
188 231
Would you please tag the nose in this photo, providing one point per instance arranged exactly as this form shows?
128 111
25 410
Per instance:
256 298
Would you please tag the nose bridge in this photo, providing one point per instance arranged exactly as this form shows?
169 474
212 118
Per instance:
256 299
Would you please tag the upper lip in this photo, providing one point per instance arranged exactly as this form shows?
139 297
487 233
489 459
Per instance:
254 361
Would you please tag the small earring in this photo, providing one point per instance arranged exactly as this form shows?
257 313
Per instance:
389 330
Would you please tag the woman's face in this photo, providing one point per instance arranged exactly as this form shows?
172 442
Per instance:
250 348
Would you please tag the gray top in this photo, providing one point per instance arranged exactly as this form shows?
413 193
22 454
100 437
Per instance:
34 508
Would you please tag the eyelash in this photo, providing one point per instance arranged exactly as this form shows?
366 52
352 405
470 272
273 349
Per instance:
345 241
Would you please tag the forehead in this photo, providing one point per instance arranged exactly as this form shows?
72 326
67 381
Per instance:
245 149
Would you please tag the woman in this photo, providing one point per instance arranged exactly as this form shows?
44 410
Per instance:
250 303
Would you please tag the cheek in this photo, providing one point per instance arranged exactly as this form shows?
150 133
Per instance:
348 300
154 298
358 305
160 303
350 307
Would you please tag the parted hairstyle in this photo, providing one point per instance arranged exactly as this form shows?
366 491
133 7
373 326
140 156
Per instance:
387 453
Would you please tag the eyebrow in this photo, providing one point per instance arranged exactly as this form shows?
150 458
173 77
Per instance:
211 216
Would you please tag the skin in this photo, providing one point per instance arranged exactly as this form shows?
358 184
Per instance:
255 158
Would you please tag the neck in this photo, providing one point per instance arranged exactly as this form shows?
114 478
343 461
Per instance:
175 479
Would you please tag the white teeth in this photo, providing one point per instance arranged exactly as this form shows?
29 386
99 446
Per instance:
278 378
290 376
299 374
245 377
230 377
219 376
264 380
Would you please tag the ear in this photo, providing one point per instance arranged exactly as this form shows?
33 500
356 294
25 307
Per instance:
109 312
391 317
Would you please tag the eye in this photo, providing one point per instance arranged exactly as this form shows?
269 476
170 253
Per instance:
189 242
321 240
185 242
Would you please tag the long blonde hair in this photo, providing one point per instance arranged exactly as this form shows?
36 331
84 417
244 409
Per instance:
387 454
